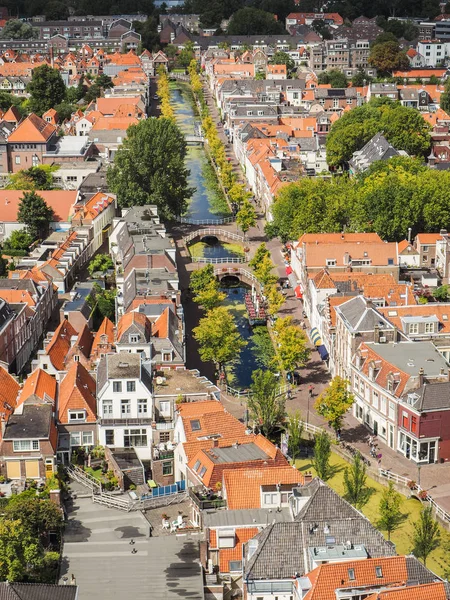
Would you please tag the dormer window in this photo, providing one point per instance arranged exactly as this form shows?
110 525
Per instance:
351 574
134 338
429 327
77 415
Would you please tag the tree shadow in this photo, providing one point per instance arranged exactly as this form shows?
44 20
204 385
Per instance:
334 470
397 523
307 467
365 497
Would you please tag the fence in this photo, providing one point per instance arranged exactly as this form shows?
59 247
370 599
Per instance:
215 233
84 478
238 272
220 221
219 261
282 389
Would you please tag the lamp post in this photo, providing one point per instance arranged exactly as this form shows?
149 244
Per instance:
418 474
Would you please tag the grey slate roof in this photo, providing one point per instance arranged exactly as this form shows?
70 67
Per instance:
417 573
280 547
432 396
378 148
253 516
37 591
33 423
358 316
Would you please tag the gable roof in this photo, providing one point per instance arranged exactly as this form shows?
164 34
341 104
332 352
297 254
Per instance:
429 591
9 390
243 486
32 129
40 384
105 329
77 392
133 321
37 591
60 201
59 345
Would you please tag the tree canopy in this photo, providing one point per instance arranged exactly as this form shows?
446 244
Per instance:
100 262
266 407
46 89
18 30
252 21
34 178
334 77
149 168
387 57
35 214
334 402
403 127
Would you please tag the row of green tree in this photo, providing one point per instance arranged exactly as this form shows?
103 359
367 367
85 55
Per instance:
388 199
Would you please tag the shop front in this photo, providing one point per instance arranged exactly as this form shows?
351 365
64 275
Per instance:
420 451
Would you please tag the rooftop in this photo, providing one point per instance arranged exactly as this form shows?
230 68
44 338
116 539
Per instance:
179 381
236 453
236 518
410 357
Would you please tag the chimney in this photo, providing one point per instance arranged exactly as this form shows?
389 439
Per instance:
376 334
421 378
409 234
55 497
215 443
346 258
307 477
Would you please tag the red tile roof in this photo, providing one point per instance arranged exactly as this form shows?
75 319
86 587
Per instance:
242 535
77 392
9 390
105 331
133 318
243 486
40 384
59 345
428 591
60 201
32 129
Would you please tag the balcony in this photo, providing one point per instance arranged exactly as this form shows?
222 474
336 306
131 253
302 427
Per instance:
164 425
206 501
125 422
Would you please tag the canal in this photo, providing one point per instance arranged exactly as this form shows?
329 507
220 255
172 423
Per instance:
208 202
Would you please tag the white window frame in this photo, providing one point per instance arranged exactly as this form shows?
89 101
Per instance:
77 415
25 445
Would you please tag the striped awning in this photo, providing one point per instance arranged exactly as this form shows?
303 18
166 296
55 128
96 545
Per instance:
315 337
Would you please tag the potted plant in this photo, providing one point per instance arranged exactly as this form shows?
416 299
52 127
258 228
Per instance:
423 494
164 517
219 488
411 484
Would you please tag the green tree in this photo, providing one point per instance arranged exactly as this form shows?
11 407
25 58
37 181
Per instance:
218 337
46 89
263 349
246 217
202 278
389 510
18 30
34 178
445 97
252 21
100 262
7 100
360 78
149 32
18 240
334 402
292 349
3 266
403 127
106 302
322 453
321 28
186 55
295 434
426 535
35 214
355 482
388 57
283 58
210 297
334 77
56 11
441 293
266 407
275 299
264 271
149 168
260 253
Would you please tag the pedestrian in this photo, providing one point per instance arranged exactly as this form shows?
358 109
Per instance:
338 435
302 324
310 391
370 441
379 458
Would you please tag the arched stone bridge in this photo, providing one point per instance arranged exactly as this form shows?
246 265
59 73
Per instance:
221 234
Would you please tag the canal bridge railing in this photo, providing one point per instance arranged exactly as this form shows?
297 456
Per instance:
220 261
245 394
220 221
219 233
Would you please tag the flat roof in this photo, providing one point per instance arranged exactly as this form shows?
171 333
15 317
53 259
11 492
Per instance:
181 381
237 453
410 357
335 551
253 517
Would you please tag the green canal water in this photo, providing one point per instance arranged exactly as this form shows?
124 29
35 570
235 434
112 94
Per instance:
208 202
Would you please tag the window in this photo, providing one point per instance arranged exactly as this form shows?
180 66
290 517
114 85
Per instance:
390 261
134 338
167 467
392 411
76 358
375 399
131 386
429 327
167 356
164 436
226 538
117 386
107 408
383 405
379 571
414 328
405 420
134 437
17 160
331 262
413 424
164 410
351 574
234 566
270 499
88 438
142 407
195 425
109 437
202 471
125 407
425 258
77 416
35 159
25 445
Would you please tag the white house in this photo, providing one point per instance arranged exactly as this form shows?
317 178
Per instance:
125 403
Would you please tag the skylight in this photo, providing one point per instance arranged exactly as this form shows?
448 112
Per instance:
195 425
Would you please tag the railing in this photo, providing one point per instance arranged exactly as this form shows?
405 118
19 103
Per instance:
84 478
400 479
113 501
282 389
220 221
219 261
207 504
237 272
310 428
194 139
164 426
137 421
214 232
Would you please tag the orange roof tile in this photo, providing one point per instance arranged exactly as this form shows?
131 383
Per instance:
243 486
440 310
338 238
40 384
111 123
160 327
383 370
133 318
327 578
59 345
405 245
427 591
18 297
12 115
32 129
428 238
242 536
9 390
93 207
108 106
105 331
334 301
77 392
61 201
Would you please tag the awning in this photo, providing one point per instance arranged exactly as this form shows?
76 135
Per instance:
323 352
298 292
288 270
293 280
315 337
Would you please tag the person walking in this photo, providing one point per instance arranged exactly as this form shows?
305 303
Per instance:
310 391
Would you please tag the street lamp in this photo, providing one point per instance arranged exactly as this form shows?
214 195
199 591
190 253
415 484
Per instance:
418 474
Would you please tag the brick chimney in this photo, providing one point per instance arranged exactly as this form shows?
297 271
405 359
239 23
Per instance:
421 378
